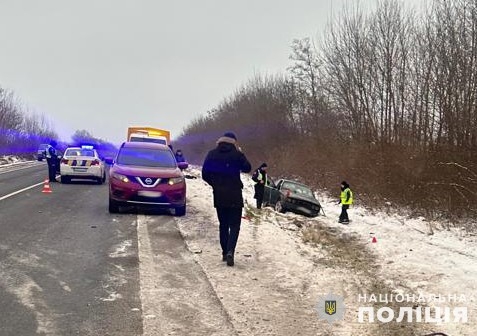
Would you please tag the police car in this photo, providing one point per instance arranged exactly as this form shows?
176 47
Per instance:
82 163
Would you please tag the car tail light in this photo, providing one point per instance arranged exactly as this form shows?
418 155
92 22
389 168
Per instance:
94 162
64 161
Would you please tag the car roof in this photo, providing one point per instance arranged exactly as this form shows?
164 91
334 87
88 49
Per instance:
149 145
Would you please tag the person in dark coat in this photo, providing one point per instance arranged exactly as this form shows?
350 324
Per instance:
52 160
260 178
179 156
221 170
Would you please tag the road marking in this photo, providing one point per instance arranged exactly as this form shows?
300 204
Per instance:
13 170
19 191
151 312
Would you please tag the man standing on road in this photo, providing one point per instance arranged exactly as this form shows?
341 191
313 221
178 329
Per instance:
51 160
221 170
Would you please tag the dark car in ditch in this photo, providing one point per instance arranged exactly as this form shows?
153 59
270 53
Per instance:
287 195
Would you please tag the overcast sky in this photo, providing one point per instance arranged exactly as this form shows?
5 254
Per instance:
104 65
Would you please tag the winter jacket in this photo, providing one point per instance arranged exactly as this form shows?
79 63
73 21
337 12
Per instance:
221 170
346 196
50 152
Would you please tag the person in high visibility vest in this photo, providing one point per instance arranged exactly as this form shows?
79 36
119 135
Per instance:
346 199
260 178
52 160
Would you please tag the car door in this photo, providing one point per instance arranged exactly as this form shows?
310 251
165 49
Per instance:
274 192
267 191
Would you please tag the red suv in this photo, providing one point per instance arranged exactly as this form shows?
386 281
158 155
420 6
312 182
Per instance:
147 174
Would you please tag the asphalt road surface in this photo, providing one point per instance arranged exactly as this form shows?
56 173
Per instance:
68 267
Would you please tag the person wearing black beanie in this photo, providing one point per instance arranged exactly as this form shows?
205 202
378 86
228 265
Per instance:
346 199
221 170
260 178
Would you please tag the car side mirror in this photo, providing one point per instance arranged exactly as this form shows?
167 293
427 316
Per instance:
182 165
109 160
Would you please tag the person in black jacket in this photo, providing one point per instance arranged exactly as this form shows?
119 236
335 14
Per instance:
260 178
221 170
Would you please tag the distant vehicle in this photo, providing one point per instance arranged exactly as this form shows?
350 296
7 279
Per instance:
149 134
140 137
82 163
41 152
147 175
292 196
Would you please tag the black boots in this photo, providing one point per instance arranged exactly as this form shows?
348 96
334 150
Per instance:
230 259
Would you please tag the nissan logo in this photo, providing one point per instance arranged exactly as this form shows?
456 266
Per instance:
148 180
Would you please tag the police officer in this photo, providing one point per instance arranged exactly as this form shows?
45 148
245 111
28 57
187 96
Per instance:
260 179
221 170
346 199
51 160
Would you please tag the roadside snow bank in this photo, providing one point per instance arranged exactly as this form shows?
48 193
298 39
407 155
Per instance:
277 281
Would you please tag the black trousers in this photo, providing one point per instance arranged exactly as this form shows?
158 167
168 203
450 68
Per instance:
344 213
229 228
51 169
259 191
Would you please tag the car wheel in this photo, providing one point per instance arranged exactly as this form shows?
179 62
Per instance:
113 206
65 179
279 207
99 180
180 211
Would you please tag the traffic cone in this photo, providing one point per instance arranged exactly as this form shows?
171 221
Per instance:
46 187
374 240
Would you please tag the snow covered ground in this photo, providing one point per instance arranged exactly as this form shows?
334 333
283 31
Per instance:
278 279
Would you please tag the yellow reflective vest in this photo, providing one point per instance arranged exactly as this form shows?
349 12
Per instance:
344 196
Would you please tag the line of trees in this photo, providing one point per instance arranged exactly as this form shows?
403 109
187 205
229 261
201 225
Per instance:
386 100
21 132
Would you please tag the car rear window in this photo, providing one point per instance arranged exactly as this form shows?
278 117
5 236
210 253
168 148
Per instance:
146 157
148 139
79 152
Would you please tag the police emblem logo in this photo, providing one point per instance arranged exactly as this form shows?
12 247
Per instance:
331 308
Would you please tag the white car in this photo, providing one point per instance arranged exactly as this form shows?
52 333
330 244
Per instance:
82 163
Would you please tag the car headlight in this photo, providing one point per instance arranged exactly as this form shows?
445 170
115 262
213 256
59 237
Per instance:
175 180
122 178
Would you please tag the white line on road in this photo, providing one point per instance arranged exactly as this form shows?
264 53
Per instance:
150 310
19 191
20 168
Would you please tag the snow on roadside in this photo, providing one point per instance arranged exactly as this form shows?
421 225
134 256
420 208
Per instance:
274 287
10 160
418 257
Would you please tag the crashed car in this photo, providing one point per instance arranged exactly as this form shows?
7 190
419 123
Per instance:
287 195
